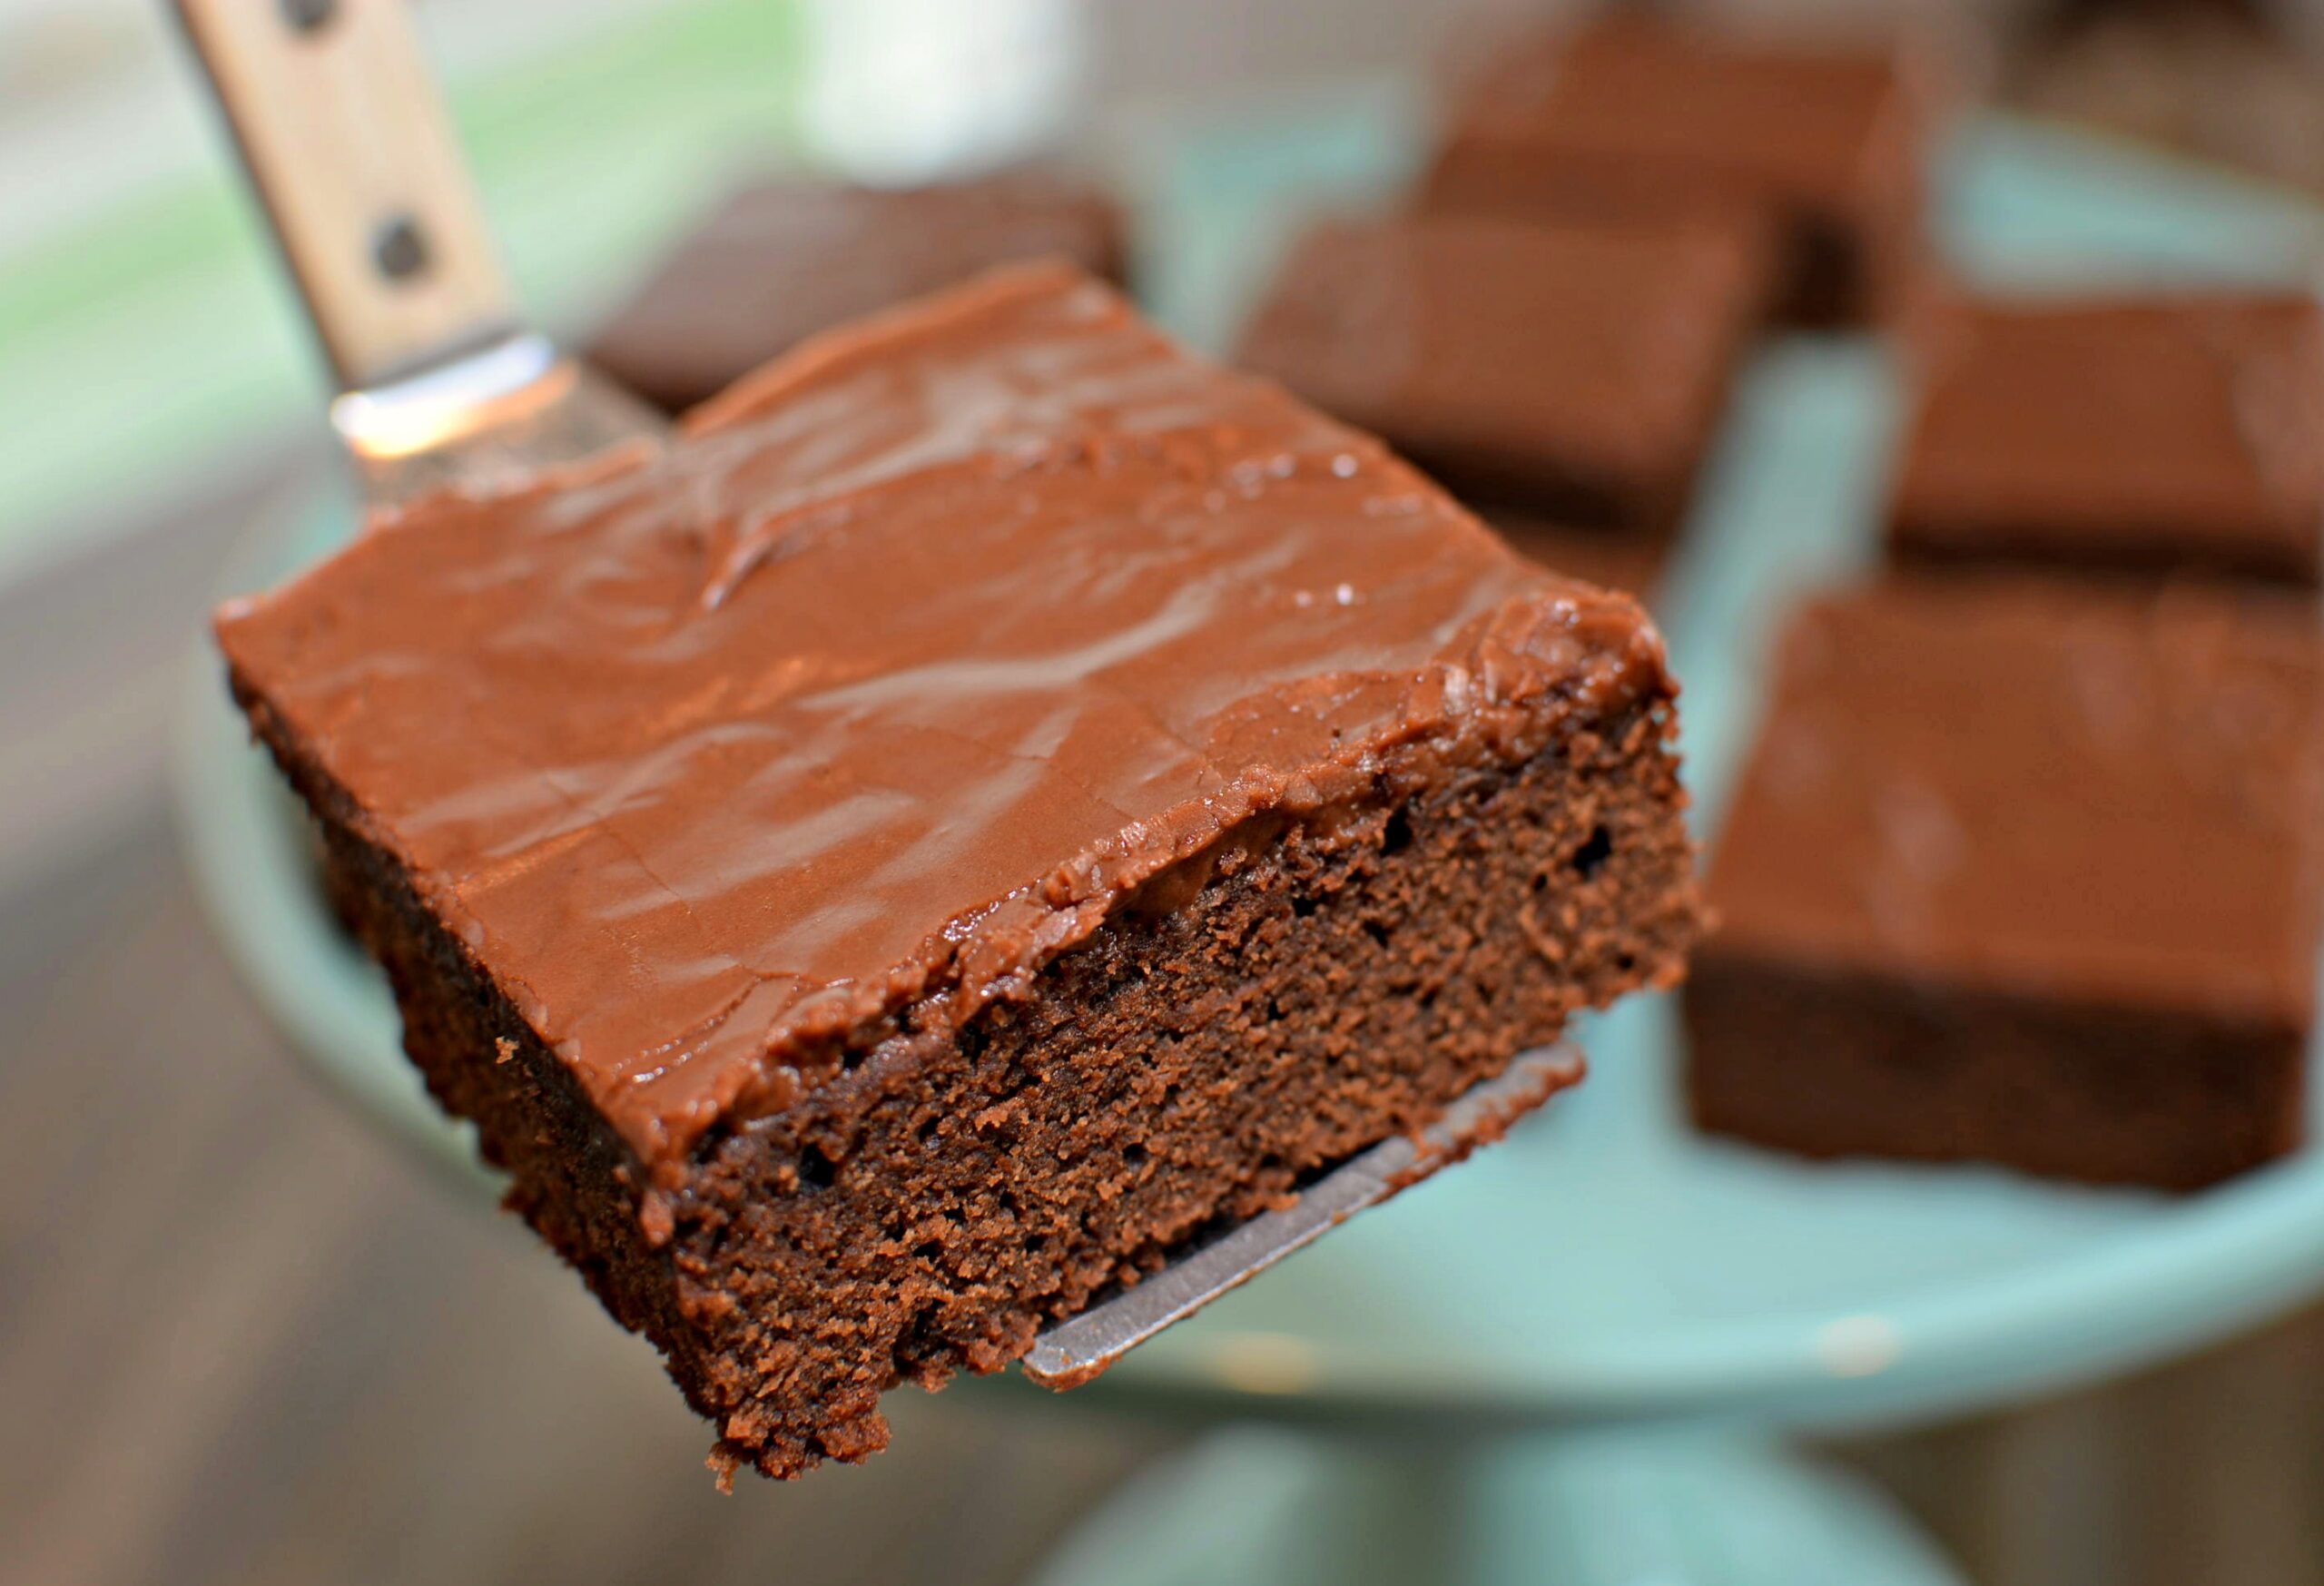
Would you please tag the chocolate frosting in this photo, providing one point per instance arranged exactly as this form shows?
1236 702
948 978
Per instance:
913 658
2030 787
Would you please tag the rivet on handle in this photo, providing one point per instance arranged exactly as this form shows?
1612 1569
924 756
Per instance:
310 15
399 248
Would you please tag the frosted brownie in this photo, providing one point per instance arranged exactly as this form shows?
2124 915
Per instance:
999 798
1572 371
1822 139
780 261
2171 433
2022 873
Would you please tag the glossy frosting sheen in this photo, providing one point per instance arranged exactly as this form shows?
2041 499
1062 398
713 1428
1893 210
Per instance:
891 677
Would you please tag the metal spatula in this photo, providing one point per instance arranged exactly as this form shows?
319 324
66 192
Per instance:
440 384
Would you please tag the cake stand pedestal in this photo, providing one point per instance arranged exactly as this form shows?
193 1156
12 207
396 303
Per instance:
1657 1507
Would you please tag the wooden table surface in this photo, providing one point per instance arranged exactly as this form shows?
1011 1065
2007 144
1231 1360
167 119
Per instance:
243 1339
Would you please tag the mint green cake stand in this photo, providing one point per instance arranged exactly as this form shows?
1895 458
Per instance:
1571 1359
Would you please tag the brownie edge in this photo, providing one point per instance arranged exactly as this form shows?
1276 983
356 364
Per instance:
1829 1066
1192 1064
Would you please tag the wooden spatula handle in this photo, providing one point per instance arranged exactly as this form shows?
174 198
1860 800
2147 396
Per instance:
339 123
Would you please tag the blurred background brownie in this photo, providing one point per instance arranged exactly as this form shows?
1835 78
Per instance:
2023 872
2235 81
783 259
1606 557
1825 137
1574 371
2165 434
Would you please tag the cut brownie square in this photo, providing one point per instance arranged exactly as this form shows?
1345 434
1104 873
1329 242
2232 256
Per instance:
1631 112
2022 873
783 259
1572 371
2151 435
997 798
